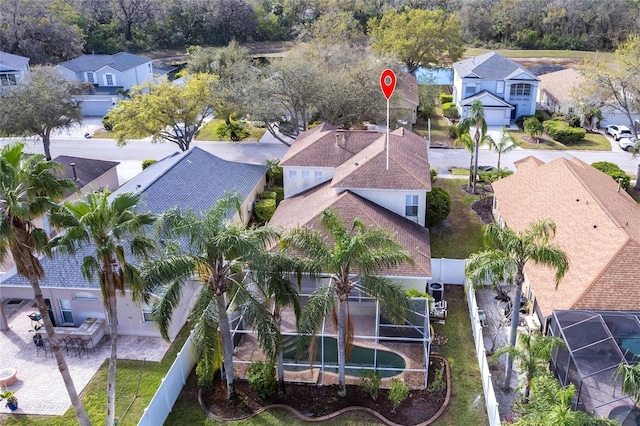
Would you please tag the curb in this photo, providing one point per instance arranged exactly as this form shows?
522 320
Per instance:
335 414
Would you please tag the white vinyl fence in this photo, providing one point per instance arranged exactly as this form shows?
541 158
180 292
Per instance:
487 384
448 271
162 402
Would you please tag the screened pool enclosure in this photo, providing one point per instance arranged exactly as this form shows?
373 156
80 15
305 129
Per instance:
596 343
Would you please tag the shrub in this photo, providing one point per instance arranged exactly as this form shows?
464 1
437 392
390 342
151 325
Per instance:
147 163
453 131
370 382
398 393
262 378
267 195
235 130
438 384
264 209
614 171
493 175
434 174
438 206
451 113
563 133
444 98
106 123
520 120
279 193
414 292
274 173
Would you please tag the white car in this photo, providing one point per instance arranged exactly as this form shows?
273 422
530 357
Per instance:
618 131
627 143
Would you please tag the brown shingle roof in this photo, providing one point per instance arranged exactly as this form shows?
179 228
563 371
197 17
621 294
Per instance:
560 84
304 208
598 227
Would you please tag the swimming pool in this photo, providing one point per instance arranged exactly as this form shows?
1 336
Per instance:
360 357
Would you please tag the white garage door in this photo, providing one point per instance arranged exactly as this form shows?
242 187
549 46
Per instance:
496 117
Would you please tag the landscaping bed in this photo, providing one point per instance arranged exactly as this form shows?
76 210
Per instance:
318 401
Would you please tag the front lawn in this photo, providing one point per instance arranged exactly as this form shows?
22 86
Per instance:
208 133
591 142
461 235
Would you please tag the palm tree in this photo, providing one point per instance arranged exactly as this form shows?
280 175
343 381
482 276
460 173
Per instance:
214 249
630 380
28 189
534 127
101 229
352 257
475 119
504 145
506 261
532 354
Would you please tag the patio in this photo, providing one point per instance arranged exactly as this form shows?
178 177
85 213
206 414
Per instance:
39 386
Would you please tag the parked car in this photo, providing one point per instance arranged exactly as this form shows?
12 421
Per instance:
627 143
618 131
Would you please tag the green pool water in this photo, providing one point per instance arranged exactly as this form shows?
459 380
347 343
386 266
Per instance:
360 357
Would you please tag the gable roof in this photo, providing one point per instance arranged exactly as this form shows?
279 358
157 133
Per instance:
544 69
120 62
560 84
11 62
491 66
86 169
488 99
302 210
598 227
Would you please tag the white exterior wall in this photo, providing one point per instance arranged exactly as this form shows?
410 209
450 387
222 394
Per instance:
419 283
293 186
394 200
135 76
531 110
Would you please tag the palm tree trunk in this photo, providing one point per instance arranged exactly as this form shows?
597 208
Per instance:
4 324
280 360
499 155
515 314
638 178
475 163
342 354
227 343
81 415
112 312
471 169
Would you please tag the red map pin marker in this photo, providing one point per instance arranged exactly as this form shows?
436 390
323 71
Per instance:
387 83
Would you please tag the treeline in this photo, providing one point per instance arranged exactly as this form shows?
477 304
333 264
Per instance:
55 30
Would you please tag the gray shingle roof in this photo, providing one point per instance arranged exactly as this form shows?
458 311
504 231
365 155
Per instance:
120 61
192 179
490 66
86 169
11 62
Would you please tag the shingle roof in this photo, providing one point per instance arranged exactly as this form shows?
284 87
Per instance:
490 66
303 210
544 69
86 169
560 84
488 99
11 62
120 61
192 179
597 226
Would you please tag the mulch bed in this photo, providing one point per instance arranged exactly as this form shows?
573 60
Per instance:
317 401
484 208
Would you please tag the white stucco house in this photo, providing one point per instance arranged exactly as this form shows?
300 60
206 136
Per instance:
107 73
13 69
506 89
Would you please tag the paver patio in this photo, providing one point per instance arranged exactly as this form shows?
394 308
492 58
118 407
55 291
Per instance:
39 388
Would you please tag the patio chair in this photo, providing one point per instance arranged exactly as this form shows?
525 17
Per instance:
45 347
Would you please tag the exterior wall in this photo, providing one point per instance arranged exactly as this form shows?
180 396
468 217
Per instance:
613 116
247 205
293 186
136 76
419 283
395 200
521 108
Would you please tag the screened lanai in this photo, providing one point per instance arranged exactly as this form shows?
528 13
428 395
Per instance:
596 343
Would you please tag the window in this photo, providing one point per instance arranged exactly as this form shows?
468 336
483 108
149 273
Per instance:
85 296
108 78
305 174
146 313
65 309
7 80
318 176
470 90
293 174
520 89
91 78
499 86
411 205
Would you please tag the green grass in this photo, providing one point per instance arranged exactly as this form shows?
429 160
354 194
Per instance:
94 396
571 54
459 172
208 133
467 404
465 234
591 142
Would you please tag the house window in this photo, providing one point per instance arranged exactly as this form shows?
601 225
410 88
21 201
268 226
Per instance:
65 310
146 313
500 87
305 174
85 296
470 90
109 80
7 80
318 176
91 78
521 89
411 205
293 174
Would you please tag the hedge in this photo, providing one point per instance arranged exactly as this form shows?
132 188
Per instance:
264 209
444 98
450 110
438 206
563 133
279 193
614 171
267 195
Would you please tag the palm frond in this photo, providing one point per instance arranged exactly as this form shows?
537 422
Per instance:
394 302
168 299
321 302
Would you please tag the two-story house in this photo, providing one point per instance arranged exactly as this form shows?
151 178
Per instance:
13 69
506 89
107 74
